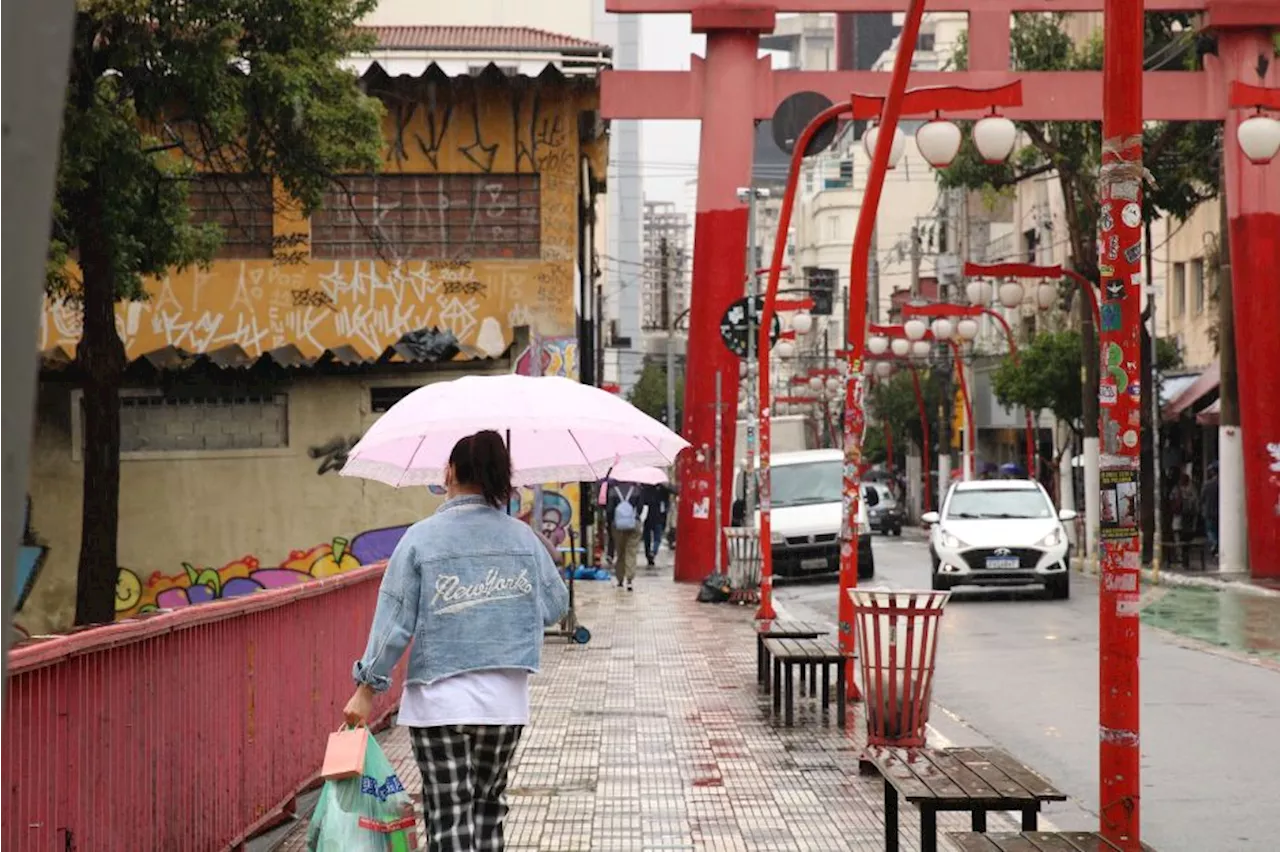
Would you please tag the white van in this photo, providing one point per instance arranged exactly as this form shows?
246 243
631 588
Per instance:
807 502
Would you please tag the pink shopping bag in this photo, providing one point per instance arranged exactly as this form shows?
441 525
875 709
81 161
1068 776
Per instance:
344 756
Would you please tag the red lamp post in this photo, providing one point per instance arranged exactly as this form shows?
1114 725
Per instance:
948 310
1120 188
888 109
924 426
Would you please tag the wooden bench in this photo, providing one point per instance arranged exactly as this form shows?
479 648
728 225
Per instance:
1034 841
1178 552
977 780
812 656
780 630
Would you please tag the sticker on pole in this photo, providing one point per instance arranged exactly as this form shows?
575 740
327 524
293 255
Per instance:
736 323
1118 511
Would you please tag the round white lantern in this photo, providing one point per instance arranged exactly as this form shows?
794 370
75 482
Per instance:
1259 138
921 348
1011 294
815 382
1046 295
939 142
895 150
877 345
994 137
967 328
833 383
978 291
784 348
883 369
942 328
900 346
802 322
915 329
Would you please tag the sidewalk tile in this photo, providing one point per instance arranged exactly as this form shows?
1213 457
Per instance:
654 737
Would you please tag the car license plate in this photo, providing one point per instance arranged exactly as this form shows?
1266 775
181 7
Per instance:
1001 563
813 564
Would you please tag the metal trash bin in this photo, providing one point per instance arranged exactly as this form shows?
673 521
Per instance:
745 559
897 648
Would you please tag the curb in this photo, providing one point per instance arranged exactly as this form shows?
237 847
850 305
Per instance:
1171 578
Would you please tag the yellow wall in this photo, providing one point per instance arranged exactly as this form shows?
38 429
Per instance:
225 521
368 304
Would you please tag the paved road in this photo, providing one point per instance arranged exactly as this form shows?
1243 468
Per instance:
1023 672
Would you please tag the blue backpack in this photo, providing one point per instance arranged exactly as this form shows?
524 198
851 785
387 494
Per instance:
624 514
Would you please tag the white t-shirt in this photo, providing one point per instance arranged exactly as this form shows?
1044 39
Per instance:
491 697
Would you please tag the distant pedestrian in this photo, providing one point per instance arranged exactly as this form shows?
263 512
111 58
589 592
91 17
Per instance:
1184 509
468 593
1209 508
656 501
624 513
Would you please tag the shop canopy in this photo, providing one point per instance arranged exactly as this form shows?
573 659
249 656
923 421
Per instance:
1189 395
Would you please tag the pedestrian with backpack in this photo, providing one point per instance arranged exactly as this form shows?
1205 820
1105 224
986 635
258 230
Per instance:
624 512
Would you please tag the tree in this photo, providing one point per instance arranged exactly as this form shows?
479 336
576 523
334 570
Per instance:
649 394
161 91
893 403
1047 375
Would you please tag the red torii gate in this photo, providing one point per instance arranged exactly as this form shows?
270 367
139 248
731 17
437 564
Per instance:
733 87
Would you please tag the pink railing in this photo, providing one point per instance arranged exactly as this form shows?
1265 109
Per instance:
187 730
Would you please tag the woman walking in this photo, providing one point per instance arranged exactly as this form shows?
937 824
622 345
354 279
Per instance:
473 589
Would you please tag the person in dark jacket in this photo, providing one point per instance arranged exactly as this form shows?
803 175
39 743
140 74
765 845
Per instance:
656 501
1209 507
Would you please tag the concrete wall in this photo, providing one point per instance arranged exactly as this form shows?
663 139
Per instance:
1189 311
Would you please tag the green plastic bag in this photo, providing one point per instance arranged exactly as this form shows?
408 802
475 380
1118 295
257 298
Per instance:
372 813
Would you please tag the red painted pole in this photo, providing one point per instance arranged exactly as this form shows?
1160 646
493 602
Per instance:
924 429
1120 224
859 259
719 255
764 481
968 405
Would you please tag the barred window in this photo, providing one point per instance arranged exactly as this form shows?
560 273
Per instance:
241 205
412 216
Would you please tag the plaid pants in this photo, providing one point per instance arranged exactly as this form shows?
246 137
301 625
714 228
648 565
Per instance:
464 784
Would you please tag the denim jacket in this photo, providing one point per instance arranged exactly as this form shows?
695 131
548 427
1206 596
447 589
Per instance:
472 588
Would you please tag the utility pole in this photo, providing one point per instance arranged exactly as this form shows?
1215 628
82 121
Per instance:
35 45
915 261
1120 224
750 194
664 248
1232 526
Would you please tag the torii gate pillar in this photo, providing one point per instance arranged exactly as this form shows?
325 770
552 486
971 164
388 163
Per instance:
725 153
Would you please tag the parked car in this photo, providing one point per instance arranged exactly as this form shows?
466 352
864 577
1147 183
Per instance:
1002 532
884 513
806 513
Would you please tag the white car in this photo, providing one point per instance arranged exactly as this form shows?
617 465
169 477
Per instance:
1002 532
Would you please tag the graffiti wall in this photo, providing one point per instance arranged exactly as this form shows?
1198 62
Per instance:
425 251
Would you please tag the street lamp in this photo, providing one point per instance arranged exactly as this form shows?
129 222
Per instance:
877 345
1259 138
802 322
942 329
921 348
784 348
884 369
967 329
978 292
1046 295
895 153
1011 294
915 329
994 137
939 142
900 346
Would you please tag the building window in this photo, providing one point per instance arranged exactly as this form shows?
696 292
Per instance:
1178 290
443 217
382 398
241 205
1197 286
154 422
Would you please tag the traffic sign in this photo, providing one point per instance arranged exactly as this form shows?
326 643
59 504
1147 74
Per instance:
734 326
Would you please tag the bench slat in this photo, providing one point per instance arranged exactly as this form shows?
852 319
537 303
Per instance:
1030 780
1015 843
973 842
1040 841
980 766
939 783
971 785
896 773
1047 841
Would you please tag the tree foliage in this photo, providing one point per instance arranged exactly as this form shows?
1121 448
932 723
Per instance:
649 394
1046 376
892 402
159 92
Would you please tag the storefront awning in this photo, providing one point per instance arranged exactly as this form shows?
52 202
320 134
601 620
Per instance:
1204 384
1211 415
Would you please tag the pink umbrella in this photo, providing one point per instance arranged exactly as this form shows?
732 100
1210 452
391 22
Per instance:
643 475
558 431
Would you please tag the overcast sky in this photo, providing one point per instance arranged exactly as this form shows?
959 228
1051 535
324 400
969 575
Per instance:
668 149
